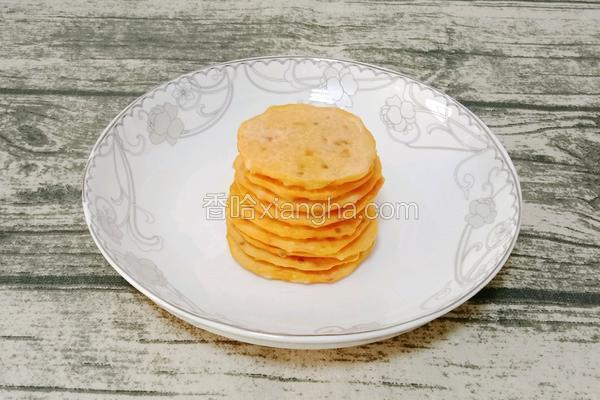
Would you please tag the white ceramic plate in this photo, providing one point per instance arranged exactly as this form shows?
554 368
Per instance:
156 180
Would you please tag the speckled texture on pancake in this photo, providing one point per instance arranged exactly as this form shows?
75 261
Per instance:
305 145
298 192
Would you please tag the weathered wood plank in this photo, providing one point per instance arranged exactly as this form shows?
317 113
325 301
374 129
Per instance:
102 336
493 53
70 327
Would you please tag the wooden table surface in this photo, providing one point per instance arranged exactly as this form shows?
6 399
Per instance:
70 327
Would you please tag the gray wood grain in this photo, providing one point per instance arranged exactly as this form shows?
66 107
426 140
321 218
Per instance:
70 327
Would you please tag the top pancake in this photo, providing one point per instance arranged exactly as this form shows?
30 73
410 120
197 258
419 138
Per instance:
312 147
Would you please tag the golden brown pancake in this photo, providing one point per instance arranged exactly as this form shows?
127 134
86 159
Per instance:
300 206
263 209
298 192
331 203
305 145
297 262
271 271
359 244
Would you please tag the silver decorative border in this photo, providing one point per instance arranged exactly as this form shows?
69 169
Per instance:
326 333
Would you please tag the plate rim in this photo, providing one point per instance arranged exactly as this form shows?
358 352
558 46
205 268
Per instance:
317 338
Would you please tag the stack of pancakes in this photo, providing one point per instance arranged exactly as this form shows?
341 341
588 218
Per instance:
299 207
